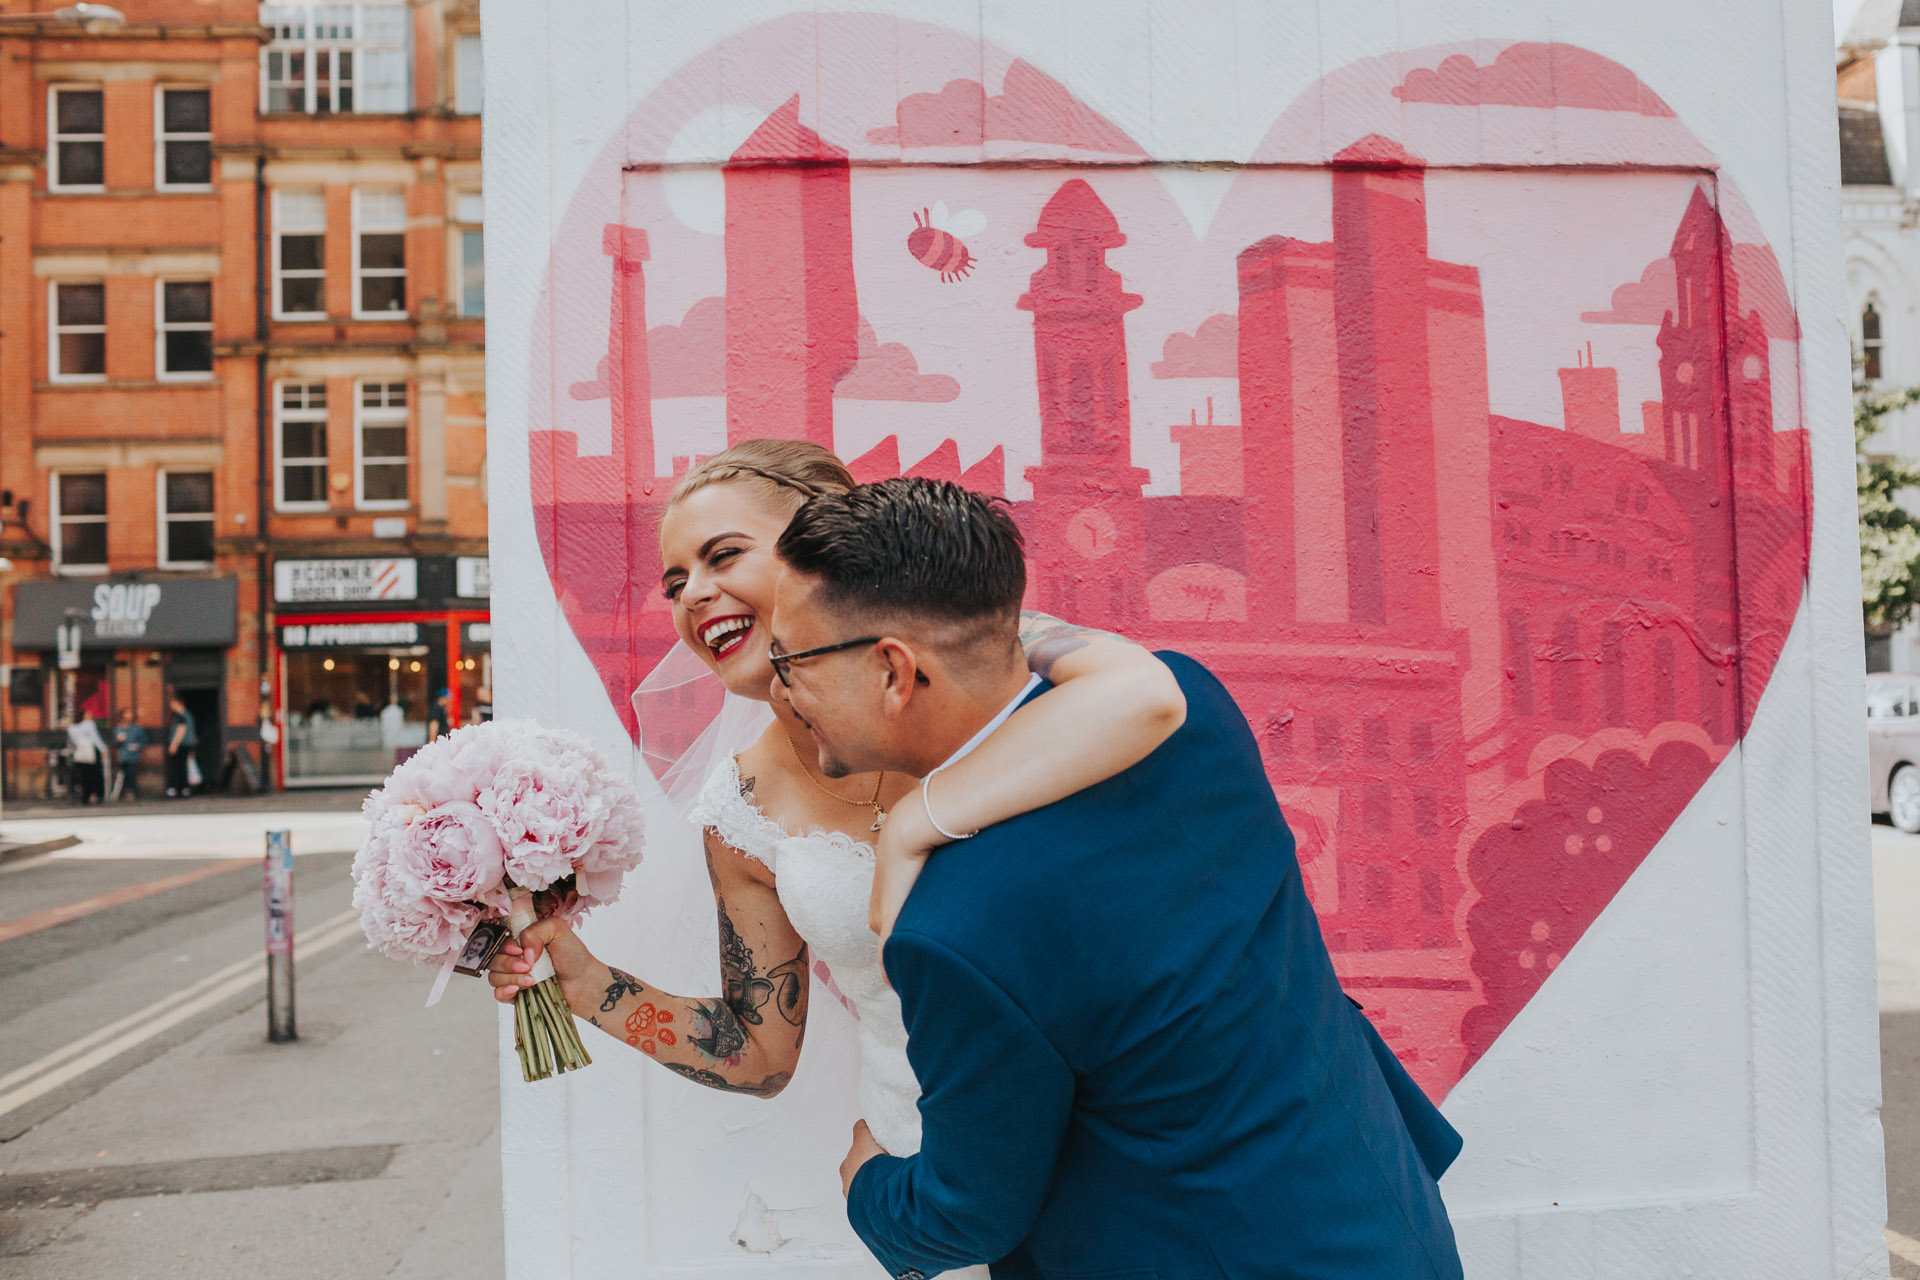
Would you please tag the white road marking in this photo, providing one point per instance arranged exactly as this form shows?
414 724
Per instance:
192 835
1903 1247
96 1047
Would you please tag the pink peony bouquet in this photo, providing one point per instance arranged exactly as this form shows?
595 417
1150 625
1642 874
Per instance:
470 828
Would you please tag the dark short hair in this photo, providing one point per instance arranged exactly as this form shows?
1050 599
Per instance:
922 547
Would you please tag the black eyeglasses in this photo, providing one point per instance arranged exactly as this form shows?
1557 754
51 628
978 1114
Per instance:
782 661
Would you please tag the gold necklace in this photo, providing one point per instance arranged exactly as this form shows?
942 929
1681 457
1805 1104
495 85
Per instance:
873 803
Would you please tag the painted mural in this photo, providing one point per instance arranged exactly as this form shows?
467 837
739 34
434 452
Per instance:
1457 430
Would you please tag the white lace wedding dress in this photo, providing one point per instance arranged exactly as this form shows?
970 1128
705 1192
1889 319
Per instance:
825 880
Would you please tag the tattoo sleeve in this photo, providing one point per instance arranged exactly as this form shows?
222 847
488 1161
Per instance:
1047 639
623 984
764 1089
716 1032
746 1039
748 991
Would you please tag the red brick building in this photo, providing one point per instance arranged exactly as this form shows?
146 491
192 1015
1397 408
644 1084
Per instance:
242 437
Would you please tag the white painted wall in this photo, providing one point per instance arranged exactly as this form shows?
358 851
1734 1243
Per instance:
1693 1093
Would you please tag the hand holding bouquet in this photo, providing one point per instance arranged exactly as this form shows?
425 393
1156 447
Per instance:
470 828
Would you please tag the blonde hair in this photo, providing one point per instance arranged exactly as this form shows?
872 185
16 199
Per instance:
797 467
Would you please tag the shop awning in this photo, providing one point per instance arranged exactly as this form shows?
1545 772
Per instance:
167 613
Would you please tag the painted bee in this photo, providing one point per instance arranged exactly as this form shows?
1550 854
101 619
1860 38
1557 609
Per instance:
935 240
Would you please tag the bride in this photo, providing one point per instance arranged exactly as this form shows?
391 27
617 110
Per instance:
791 853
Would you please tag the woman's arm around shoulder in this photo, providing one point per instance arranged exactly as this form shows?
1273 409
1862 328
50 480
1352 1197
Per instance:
1112 704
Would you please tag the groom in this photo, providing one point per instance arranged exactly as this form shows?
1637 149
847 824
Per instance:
1135 1059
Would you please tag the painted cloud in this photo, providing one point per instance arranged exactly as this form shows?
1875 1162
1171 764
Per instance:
1211 351
1642 301
685 359
1030 107
888 371
1534 75
1756 271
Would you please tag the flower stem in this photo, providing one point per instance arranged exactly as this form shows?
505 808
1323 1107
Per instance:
544 1033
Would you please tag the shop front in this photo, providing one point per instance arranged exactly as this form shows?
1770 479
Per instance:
367 646
139 638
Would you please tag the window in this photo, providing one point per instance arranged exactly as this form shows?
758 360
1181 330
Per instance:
185 329
1870 343
1426 813
1280 735
381 445
1433 899
183 125
325 57
299 253
300 432
1663 679
80 522
468 83
76 125
1378 799
79 332
1566 670
1613 673
1379 894
379 252
468 211
1520 663
186 518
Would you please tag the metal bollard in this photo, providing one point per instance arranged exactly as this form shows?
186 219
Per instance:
279 891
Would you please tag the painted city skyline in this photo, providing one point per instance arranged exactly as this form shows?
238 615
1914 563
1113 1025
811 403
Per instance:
1457 634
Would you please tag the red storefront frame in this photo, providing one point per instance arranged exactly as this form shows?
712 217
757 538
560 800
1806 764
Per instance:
450 618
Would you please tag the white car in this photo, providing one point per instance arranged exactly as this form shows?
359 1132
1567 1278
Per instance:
1893 747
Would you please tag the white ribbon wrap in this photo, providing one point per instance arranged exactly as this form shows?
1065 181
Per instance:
520 918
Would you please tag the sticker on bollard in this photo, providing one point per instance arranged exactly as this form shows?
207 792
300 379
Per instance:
279 894
279 888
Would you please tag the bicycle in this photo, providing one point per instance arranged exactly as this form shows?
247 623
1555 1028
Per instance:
58 783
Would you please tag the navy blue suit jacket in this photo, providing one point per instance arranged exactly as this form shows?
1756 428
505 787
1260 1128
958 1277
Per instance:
1135 1060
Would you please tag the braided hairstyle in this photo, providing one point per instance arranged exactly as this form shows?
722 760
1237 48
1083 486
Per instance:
791 469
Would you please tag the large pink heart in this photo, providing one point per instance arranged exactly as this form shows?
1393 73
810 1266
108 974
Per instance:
1492 632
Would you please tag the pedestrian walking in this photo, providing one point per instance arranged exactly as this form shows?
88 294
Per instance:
183 738
129 741
89 759
440 717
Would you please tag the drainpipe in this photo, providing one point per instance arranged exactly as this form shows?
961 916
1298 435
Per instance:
262 282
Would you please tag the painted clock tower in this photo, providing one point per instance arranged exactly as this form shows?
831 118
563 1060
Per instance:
1085 537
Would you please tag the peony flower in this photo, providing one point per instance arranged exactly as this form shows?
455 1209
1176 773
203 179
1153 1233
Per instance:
450 852
398 920
428 930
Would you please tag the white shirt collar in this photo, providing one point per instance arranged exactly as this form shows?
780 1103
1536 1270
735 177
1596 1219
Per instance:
999 719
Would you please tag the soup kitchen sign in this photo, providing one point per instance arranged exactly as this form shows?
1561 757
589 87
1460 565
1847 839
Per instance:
162 614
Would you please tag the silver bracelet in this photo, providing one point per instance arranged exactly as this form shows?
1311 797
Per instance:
927 805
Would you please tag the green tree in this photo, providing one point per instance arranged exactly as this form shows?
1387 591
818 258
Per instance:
1889 533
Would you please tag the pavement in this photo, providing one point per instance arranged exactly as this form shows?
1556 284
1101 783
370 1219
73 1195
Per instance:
1896 901
148 1128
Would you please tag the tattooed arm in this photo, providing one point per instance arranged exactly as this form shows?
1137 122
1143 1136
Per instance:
746 1039
1112 704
